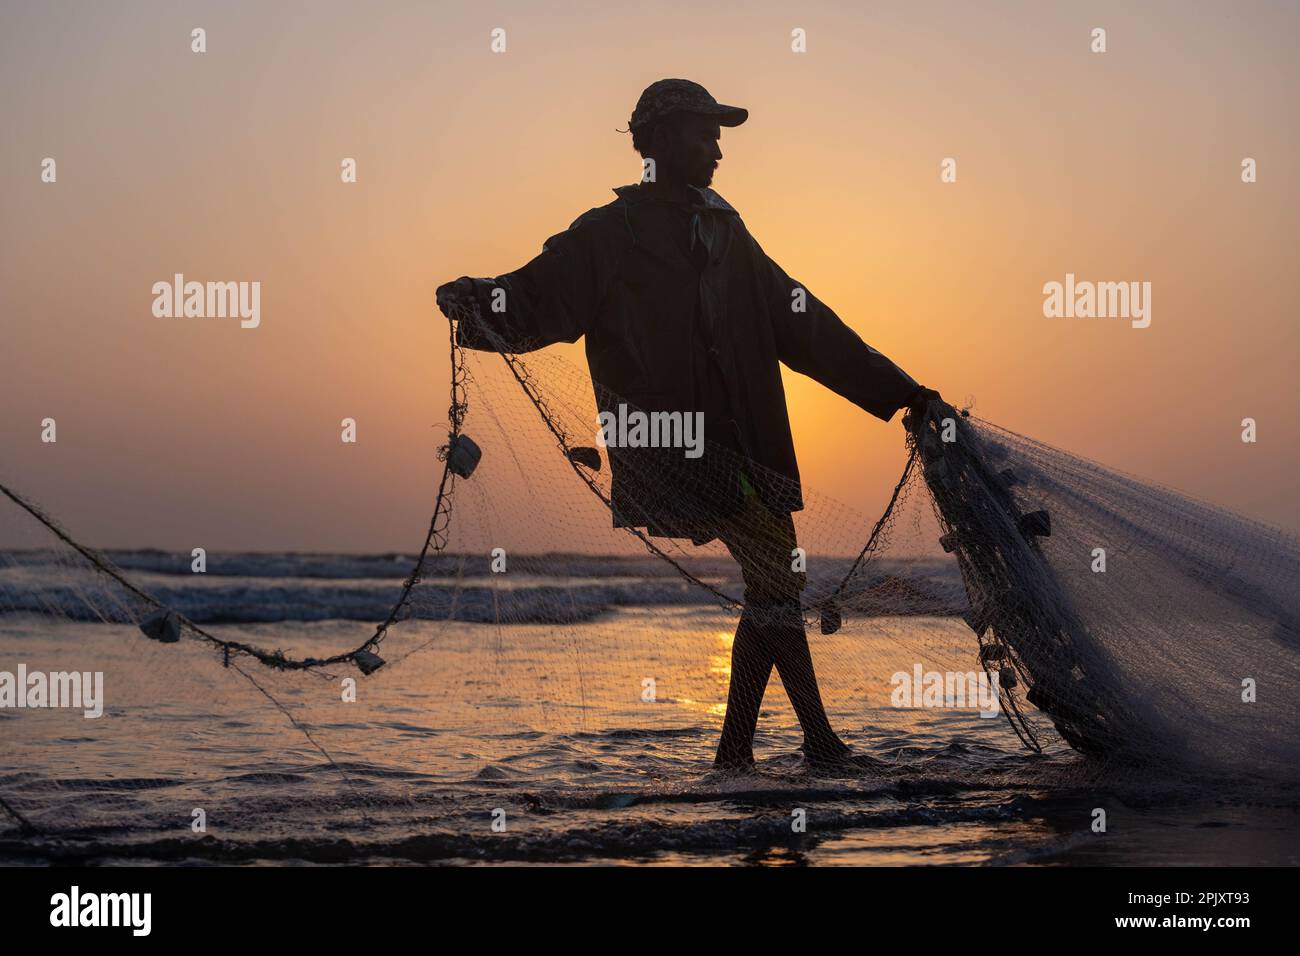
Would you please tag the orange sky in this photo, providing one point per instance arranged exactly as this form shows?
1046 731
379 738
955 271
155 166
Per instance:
225 166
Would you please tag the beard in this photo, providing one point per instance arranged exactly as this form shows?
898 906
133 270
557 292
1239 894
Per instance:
702 178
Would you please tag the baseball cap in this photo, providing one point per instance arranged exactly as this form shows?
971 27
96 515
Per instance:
664 97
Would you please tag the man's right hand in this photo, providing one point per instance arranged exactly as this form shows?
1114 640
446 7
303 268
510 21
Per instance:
921 399
457 295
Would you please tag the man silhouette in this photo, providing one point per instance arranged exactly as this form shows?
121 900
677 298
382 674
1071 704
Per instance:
683 311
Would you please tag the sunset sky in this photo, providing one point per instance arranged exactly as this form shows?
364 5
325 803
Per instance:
1122 166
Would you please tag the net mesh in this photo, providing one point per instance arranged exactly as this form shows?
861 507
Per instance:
1097 615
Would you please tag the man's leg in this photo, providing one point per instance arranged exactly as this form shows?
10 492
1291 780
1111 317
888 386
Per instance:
751 667
794 663
771 632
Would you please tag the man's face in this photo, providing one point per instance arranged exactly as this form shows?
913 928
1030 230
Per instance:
695 150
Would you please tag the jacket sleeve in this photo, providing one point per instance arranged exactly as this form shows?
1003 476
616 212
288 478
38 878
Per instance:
553 298
817 343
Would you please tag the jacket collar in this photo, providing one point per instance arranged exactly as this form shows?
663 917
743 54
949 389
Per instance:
700 198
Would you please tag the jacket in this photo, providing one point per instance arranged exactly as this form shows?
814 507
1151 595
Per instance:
683 311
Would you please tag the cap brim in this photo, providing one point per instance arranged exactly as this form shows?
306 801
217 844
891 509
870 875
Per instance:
729 115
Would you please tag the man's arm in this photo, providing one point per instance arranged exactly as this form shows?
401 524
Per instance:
817 343
551 299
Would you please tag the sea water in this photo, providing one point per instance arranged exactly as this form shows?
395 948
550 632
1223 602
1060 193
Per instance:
531 743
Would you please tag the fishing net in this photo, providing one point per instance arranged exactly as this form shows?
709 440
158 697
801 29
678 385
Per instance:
1089 615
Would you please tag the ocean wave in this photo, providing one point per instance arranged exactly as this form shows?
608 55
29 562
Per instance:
612 840
555 589
389 565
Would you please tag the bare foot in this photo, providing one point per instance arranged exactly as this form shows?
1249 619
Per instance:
840 758
733 763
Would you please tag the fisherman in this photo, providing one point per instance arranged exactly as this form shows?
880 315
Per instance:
684 312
